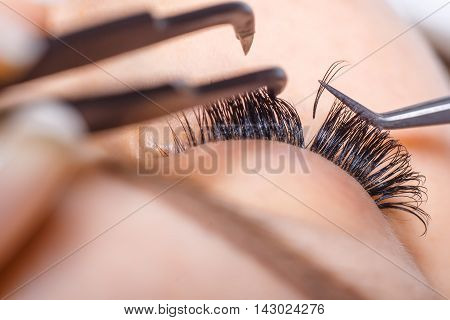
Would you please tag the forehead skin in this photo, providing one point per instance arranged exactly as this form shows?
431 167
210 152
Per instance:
304 38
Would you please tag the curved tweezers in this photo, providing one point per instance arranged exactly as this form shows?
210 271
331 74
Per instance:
125 34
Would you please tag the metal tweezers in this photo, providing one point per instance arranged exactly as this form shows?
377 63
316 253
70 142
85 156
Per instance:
426 113
115 37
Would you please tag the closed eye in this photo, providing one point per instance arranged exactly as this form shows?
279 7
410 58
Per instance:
370 155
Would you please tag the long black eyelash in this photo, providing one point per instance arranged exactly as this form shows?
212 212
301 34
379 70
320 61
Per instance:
254 115
332 71
376 160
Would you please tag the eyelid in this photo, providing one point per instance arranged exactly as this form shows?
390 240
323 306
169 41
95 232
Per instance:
378 162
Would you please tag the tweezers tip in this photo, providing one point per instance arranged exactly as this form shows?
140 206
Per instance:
323 84
246 43
353 105
342 97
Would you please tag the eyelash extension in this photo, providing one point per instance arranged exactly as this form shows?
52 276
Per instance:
376 160
332 71
371 156
254 115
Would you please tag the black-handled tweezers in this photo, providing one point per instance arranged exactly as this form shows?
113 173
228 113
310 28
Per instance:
122 35
125 34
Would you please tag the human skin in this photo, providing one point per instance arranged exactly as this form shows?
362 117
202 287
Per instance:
172 248
8 9
322 35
